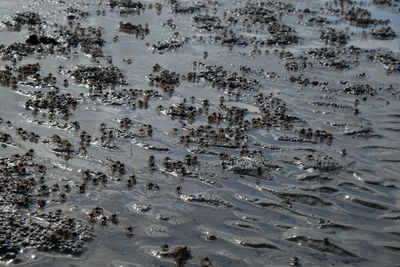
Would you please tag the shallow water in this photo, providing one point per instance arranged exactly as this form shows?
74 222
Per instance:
327 202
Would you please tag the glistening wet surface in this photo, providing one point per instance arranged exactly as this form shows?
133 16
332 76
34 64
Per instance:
223 133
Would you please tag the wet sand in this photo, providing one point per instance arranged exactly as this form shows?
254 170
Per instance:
223 133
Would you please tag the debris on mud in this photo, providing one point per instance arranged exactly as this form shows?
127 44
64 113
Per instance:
230 82
177 8
89 40
137 29
360 89
76 14
207 23
171 44
23 19
383 32
52 103
127 7
390 60
98 77
29 227
331 36
345 58
362 17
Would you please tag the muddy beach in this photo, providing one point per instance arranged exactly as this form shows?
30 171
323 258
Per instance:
199 133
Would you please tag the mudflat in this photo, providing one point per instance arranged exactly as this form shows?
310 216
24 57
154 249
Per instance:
211 133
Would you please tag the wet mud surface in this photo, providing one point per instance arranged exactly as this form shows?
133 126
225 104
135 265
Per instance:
223 133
